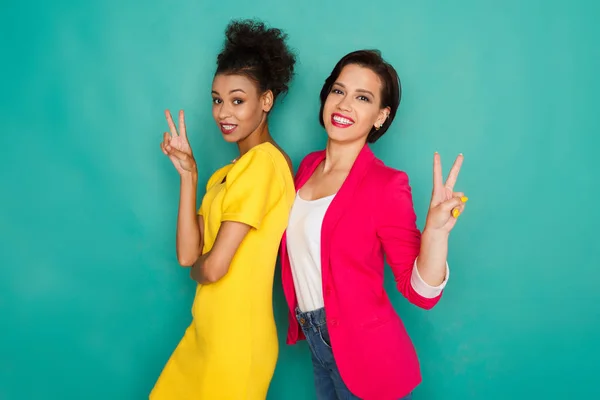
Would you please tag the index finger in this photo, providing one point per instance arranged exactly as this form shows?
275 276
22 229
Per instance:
182 130
437 171
171 123
453 174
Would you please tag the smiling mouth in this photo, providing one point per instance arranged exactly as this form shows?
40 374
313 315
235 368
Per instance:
227 128
341 121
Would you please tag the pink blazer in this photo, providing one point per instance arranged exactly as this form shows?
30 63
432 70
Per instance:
371 215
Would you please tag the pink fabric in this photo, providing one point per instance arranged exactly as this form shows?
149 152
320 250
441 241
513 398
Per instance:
370 216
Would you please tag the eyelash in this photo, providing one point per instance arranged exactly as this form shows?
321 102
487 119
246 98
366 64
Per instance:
236 102
361 98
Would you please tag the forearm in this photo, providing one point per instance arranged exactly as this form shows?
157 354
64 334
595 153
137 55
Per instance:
188 231
208 268
433 254
214 265
198 271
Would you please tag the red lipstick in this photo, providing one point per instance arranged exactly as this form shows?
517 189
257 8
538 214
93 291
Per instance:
341 121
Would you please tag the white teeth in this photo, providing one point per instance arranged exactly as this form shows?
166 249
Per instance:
228 127
341 120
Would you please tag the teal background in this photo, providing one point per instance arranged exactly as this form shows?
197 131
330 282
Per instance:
91 297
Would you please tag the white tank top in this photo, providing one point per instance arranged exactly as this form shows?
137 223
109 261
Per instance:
304 248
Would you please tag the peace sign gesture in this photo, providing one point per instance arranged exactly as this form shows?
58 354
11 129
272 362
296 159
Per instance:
176 145
446 204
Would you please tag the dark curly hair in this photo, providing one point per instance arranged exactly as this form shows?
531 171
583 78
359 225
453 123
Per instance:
391 88
260 53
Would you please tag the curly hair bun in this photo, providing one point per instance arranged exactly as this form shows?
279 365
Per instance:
259 52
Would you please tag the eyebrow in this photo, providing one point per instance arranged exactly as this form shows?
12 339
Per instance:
231 91
357 90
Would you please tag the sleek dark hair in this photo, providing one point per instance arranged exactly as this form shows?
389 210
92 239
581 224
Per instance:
391 89
259 53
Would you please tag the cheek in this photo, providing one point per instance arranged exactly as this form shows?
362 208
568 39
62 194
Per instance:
367 115
328 109
329 105
247 112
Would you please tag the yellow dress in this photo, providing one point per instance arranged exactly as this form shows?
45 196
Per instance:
230 349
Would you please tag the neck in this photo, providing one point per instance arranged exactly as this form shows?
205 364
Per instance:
259 136
341 156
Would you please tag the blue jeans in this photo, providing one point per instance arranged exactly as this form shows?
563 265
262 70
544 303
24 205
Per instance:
328 382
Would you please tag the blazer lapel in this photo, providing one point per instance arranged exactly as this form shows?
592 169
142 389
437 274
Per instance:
342 199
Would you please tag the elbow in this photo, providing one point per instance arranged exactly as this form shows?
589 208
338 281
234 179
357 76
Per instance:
211 276
425 299
427 303
187 259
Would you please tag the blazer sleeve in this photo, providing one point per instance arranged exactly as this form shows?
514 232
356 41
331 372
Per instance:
400 238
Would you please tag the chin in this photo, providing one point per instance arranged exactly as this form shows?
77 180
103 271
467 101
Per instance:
233 137
339 135
230 138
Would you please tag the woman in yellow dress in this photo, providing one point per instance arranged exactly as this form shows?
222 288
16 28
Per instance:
230 349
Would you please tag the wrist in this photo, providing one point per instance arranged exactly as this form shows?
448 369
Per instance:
435 234
189 177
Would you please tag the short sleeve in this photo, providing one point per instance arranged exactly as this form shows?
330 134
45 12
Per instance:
252 185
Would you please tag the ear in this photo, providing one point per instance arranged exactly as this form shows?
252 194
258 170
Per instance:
267 101
382 117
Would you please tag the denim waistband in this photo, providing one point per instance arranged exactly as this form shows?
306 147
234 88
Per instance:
311 319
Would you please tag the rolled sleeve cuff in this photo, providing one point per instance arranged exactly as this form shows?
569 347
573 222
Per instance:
423 288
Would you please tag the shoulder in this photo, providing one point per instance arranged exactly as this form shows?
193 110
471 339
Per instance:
262 168
387 177
256 161
394 199
309 160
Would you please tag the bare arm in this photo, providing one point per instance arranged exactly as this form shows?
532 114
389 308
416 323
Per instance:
189 225
190 228
214 265
432 257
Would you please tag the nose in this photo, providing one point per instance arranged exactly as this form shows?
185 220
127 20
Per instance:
224 111
344 104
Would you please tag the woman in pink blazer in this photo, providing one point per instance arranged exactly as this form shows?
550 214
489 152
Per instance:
350 212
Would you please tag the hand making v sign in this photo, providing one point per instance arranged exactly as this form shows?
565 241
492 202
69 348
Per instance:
446 204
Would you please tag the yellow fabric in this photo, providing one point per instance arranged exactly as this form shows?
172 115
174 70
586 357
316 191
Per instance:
230 349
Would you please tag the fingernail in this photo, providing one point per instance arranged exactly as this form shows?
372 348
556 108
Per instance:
455 213
464 199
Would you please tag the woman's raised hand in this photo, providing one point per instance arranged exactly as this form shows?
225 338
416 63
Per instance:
446 204
176 146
